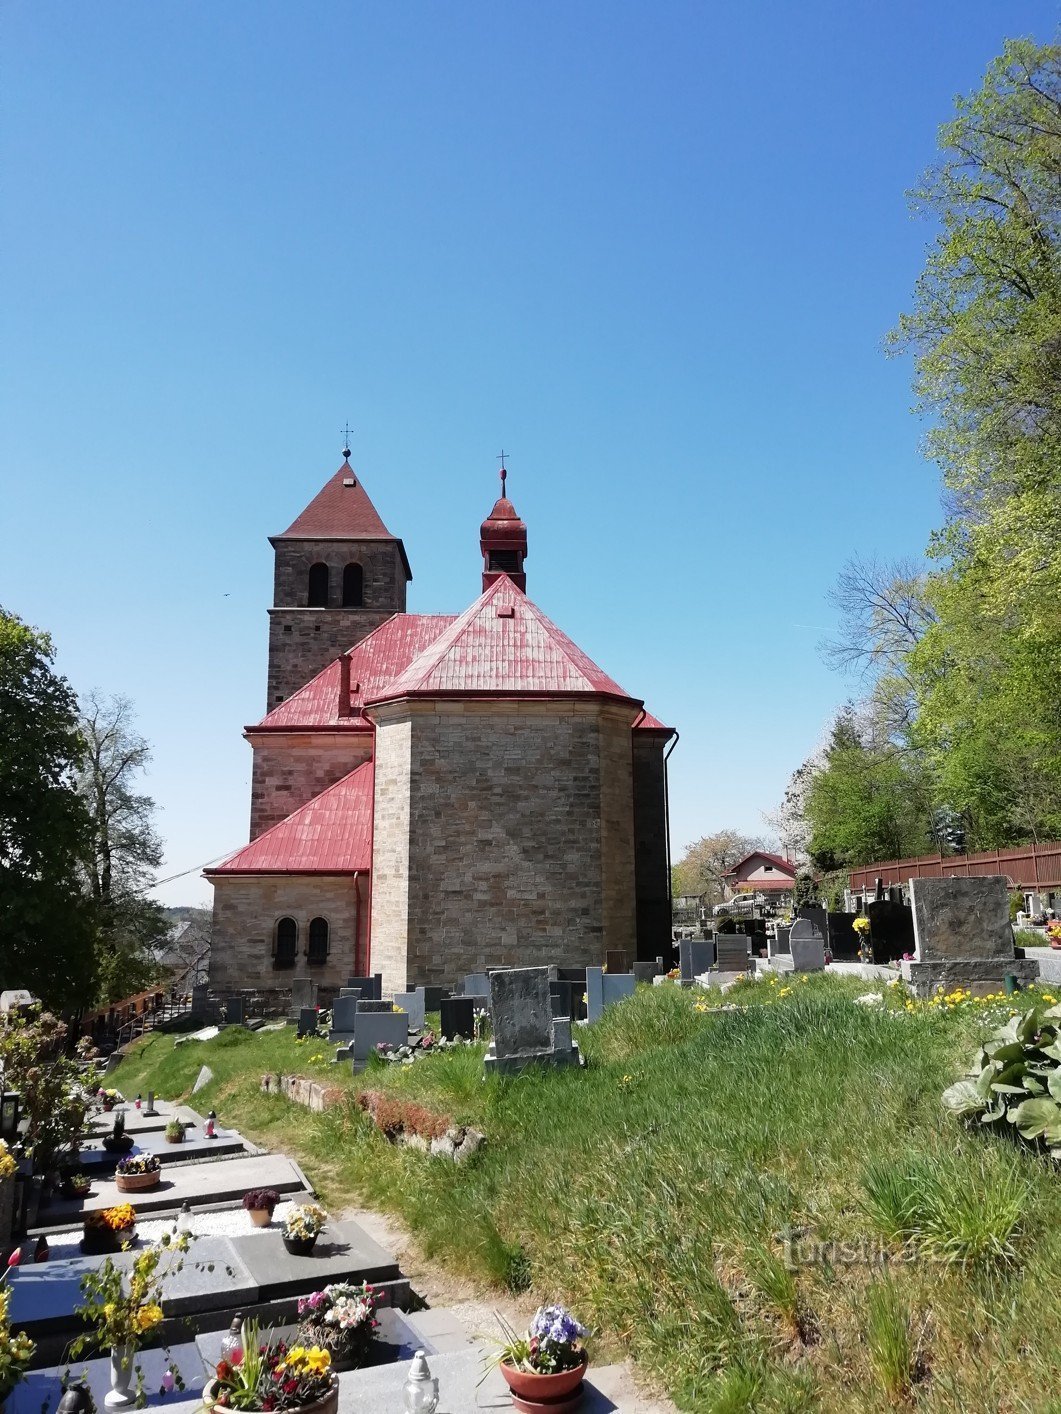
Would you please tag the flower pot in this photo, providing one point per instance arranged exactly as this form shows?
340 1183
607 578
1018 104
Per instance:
136 1182
300 1246
118 1146
559 1393
108 1105
261 1217
328 1405
121 1393
174 1138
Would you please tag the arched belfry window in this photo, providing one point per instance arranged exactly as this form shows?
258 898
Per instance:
318 941
318 586
353 587
285 944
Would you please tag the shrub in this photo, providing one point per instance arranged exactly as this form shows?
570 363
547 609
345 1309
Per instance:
1016 1080
396 1116
258 1199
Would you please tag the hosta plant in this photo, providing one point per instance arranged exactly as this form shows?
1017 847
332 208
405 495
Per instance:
1017 1079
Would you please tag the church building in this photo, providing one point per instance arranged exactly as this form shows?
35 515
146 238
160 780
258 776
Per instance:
434 794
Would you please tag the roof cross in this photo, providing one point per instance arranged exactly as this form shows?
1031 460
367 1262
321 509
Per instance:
346 439
504 473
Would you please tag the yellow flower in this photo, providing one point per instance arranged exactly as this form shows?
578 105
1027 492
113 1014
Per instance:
108 1311
148 1317
318 1360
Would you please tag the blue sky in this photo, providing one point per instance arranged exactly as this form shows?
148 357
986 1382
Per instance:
652 250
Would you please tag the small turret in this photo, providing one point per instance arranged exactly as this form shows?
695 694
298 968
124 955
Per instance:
503 541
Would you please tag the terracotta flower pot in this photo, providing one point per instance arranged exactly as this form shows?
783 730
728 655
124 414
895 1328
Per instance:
136 1182
328 1405
300 1246
558 1392
261 1217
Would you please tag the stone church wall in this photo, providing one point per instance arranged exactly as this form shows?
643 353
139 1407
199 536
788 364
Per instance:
291 768
503 837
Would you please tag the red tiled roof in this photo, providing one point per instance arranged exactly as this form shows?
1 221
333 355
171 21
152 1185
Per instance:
775 859
501 644
376 661
765 886
340 510
649 723
331 834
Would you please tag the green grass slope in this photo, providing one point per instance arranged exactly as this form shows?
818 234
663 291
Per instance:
765 1207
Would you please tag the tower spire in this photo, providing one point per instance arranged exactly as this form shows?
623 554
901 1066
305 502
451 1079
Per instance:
503 539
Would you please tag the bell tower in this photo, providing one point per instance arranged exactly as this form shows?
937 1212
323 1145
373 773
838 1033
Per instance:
339 574
503 540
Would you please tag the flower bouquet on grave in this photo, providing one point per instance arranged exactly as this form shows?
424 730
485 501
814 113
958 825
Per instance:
109 1230
16 1348
122 1310
340 1319
260 1202
137 1172
273 1377
76 1185
547 1364
302 1226
108 1098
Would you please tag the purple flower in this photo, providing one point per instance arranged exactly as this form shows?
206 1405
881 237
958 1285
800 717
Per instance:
556 1325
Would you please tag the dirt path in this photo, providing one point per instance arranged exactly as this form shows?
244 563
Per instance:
477 1313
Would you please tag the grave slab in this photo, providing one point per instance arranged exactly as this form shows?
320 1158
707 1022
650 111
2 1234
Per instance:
41 1389
343 1252
95 1159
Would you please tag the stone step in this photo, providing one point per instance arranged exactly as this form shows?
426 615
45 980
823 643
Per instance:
199 1184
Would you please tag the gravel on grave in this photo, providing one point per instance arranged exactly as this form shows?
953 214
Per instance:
228 1222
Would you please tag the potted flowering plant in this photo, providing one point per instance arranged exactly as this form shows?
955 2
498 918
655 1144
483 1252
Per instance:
340 1319
109 1229
260 1202
302 1226
545 1366
109 1098
16 1348
266 1376
122 1309
137 1172
76 1185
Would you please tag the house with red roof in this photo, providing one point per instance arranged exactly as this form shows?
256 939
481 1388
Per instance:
765 873
434 794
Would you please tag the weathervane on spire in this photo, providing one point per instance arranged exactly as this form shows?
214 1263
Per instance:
504 473
346 440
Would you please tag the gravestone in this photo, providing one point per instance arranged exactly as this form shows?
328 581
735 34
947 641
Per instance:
522 1016
303 994
200 1000
371 1005
234 1011
891 930
807 946
615 960
413 1003
564 999
844 943
433 997
963 937
476 984
344 1015
376 1028
457 1017
480 1001
696 955
369 987
349 991
307 1021
731 952
818 916
645 971
778 945
605 989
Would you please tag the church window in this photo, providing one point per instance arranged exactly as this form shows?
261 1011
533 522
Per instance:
318 941
318 586
286 943
507 560
353 587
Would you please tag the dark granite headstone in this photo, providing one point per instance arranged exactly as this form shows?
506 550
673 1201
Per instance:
615 960
307 1021
844 943
372 1005
369 987
433 997
522 1015
563 999
457 1017
695 956
645 971
234 1011
731 952
963 936
891 930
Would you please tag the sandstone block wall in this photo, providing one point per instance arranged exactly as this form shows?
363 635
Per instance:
650 847
291 768
503 837
246 910
304 641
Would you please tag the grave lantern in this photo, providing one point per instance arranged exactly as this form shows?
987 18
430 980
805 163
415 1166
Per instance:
76 1400
210 1128
10 1107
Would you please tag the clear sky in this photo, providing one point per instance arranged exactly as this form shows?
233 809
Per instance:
651 249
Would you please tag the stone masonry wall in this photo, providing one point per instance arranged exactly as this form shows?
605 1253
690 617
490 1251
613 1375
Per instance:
246 909
291 768
650 847
302 640
503 836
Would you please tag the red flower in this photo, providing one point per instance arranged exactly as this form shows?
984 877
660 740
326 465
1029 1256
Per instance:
15 1258
269 1403
290 1386
224 1370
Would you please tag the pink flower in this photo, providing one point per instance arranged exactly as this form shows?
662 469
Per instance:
15 1258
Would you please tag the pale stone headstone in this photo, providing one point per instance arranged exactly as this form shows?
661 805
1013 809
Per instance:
604 989
375 1028
203 1078
413 1003
303 993
963 936
476 984
807 945
14 998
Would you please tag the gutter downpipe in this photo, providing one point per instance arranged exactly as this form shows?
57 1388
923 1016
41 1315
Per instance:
666 814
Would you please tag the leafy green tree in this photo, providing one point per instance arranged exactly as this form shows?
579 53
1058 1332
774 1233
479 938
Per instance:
47 926
702 869
124 850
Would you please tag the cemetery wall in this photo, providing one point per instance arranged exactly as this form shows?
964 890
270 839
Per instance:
302 641
291 768
650 846
246 909
503 837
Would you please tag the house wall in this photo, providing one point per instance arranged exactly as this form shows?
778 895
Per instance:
503 836
752 873
302 640
246 910
291 768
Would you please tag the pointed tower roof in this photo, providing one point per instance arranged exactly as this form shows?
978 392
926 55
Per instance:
503 540
502 645
341 510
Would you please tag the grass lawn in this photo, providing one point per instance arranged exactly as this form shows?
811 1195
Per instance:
726 1196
